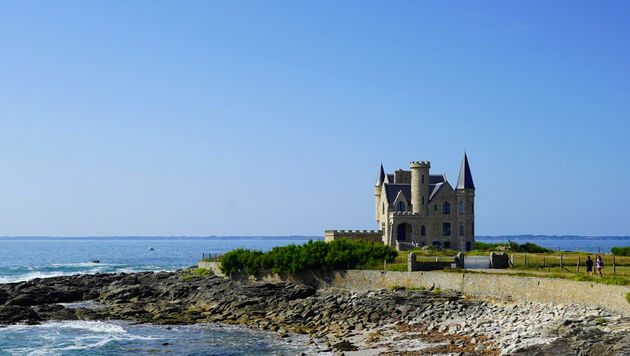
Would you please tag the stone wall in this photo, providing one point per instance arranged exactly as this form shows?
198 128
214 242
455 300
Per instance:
539 290
367 235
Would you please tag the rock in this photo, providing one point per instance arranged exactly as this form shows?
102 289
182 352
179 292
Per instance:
11 314
344 345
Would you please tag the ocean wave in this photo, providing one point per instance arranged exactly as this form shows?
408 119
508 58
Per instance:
55 337
19 274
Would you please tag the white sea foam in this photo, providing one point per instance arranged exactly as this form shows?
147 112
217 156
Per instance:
29 276
87 335
66 269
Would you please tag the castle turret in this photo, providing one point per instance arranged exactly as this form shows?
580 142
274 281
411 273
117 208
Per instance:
419 185
377 191
465 191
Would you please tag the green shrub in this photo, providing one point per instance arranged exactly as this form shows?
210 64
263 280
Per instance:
201 272
313 255
527 247
421 288
397 287
628 297
437 290
512 246
188 277
621 251
614 280
581 277
602 321
487 246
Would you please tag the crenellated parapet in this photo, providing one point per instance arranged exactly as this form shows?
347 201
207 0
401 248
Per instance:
403 213
420 164
367 235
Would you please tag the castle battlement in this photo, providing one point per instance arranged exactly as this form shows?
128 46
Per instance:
405 213
420 164
369 235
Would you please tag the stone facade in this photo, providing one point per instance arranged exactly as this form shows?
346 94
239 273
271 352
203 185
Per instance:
415 208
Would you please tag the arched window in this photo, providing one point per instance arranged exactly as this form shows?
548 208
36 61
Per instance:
423 231
422 200
461 207
383 208
401 206
446 208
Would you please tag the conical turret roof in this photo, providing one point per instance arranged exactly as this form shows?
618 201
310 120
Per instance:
465 180
381 177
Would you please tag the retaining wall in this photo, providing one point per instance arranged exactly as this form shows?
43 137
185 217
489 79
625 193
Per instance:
540 290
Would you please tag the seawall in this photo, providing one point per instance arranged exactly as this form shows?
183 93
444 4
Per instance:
534 289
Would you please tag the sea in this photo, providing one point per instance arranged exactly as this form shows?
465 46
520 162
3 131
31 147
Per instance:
39 257
26 258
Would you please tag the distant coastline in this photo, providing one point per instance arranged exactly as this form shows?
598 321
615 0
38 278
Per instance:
551 237
305 238
287 237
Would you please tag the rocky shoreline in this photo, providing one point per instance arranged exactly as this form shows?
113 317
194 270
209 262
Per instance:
387 322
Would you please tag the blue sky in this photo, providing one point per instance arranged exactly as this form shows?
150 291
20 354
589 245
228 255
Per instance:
250 118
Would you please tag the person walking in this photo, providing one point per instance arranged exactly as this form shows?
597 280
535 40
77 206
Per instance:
600 265
589 266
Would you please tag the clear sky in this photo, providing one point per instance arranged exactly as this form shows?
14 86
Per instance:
271 118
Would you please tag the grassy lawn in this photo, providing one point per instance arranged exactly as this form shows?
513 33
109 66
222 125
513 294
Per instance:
538 265
551 263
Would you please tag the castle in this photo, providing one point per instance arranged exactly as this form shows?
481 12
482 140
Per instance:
415 208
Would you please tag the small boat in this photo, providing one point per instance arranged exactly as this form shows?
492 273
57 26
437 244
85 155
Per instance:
150 248
96 261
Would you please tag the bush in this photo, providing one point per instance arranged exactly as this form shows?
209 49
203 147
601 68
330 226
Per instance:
313 255
188 277
527 247
511 246
201 272
621 251
437 290
487 246
628 297
581 277
614 280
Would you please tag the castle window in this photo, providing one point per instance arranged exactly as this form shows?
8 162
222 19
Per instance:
401 206
446 208
422 179
383 208
461 229
447 244
423 231
422 200
461 207
435 207
446 229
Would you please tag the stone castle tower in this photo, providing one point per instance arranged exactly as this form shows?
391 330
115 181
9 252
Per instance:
415 208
